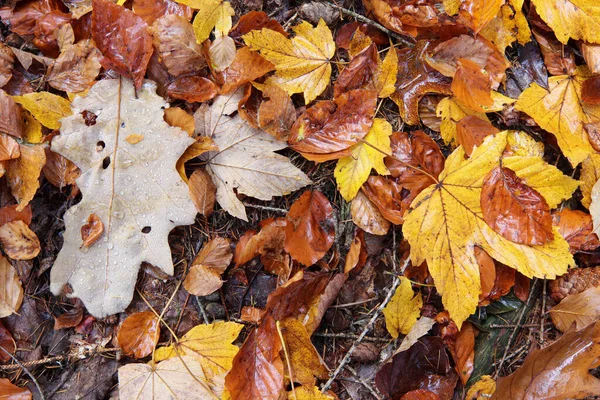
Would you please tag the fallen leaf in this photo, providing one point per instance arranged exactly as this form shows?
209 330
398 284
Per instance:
152 10
175 116
69 319
23 173
11 295
560 112
202 191
8 344
389 197
482 389
59 171
92 230
211 14
472 130
269 244
446 221
32 129
579 309
590 173
277 114
514 210
221 53
247 66
13 392
122 38
9 148
415 79
254 21
509 26
301 63
577 229
246 161
139 333
192 89
310 230
209 344
451 111
305 361
11 213
403 310
204 276
257 371
358 74
145 202
76 68
560 370
18 241
558 59
352 171
45 107
471 85
465 352
309 393
179 377
327 130
11 122
367 216
419 329
575 19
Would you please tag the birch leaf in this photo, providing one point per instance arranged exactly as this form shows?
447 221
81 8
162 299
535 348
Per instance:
247 161
128 179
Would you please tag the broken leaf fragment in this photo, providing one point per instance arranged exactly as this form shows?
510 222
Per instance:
11 296
204 276
403 310
134 189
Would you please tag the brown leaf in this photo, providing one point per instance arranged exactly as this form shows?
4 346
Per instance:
8 343
9 148
192 88
151 10
504 280
579 309
23 17
269 244
139 334
358 73
12 392
559 59
591 54
176 47
577 229
69 319
357 255
18 241
472 130
420 394
10 213
44 31
175 116
92 230
252 315
366 215
245 67
11 121
59 171
204 277
471 85
515 210
346 32
465 352
387 196
306 363
478 13
122 38
559 371
589 91
7 58
255 21
11 295
310 231
76 68
202 191
415 79
257 371
329 128
487 274
277 114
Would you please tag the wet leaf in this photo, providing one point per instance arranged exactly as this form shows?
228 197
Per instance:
45 107
76 68
483 388
472 130
465 352
23 173
211 14
309 393
11 122
247 66
138 334
144 205
509 26
253 21
59 171
152 10
92 230
367 217
579 309
13 392
576 19
471 85
123 39
389 197
577 229
301 63
9 148
202 191
304 359
204 276
10 213
11 295
403 310
18 241
221 53
310 230
277 114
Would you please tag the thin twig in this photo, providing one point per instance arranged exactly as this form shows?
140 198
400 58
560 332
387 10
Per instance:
37 385
405 41
374 392
287 357
507 326
350 336
366 329
543 316
266 208
202 311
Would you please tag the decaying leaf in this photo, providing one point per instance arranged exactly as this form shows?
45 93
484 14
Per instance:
580 309
18 241
559 371
305 361
577 229
366 215
446 222
11 295
11 122
204 276
464 348
23 173
246 161
139 334
76 68
46 107
576 19
203 191
13 392
402 311
133 188
590 173
301 63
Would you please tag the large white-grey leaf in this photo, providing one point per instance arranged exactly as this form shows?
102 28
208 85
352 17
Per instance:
128 179
246 161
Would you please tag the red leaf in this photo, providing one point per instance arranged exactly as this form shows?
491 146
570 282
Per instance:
577 229
151 10
192 89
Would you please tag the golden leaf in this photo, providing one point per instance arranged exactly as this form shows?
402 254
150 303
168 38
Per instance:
575 19
590 173
211 14
402 311
23 173
46 107
11 295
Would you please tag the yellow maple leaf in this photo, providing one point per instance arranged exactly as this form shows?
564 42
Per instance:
352 171
301 63
451 111
46 107
446 222
211 14
561 112
403 310
576 19
509 26
590 173
210 344
385 76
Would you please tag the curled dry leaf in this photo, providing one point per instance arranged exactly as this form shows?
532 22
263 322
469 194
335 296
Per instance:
403 310
76 68
560 370
18 241
202 191
247 162
139 181
579 309
11 295
13 392
577 229
558 59
367 217
301 63
327 130
139 334
11 121
310 229
92 230
24 172
122 38
515 210
204 277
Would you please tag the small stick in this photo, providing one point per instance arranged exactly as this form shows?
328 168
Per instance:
543 316
37 385
374 392
350 336
287 357
266 208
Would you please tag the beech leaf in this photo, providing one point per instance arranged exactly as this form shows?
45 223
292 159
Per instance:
580 309
575 19
132 186
11 295
139 334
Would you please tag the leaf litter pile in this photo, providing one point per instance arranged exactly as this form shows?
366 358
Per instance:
386 199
